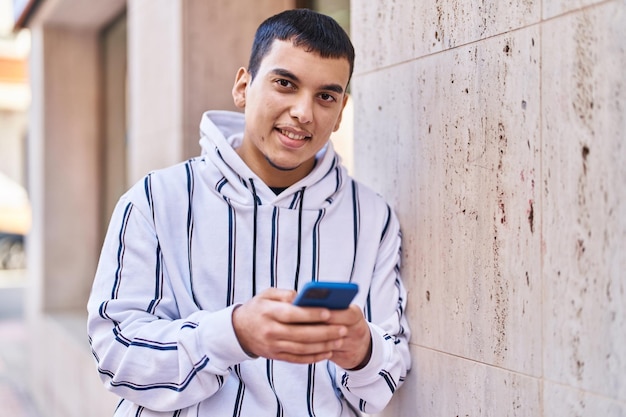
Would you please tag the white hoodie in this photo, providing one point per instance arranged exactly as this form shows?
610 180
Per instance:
188 243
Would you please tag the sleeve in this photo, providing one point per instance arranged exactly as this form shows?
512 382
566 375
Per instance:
145 352
371 388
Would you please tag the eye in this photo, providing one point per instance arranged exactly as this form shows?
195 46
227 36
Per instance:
284 83
328 97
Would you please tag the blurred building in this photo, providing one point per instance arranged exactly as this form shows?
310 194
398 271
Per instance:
14 95
15 216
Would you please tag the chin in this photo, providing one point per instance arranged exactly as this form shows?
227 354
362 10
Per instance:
281 166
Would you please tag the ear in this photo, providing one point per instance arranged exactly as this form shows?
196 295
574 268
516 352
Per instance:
240 87
343 106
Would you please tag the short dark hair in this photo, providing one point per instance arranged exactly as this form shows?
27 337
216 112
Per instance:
316 32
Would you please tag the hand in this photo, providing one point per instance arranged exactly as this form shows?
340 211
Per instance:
356 347
269 325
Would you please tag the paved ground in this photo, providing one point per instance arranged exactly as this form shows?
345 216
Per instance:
15 398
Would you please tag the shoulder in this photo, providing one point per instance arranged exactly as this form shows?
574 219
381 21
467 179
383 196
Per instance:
168 183
372 206
368 196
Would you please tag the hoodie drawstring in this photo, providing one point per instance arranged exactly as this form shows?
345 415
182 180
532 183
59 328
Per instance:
254 231
295 285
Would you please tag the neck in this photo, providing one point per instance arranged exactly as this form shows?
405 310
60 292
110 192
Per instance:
272 174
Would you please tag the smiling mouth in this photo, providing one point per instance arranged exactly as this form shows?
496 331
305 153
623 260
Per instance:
292 135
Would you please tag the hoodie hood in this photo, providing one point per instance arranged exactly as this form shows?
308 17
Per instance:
221 132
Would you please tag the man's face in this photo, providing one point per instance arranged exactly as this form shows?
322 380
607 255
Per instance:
291 108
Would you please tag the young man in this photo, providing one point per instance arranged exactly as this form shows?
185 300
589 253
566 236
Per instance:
191 310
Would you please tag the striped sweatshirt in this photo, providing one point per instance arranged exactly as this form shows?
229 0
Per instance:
188 243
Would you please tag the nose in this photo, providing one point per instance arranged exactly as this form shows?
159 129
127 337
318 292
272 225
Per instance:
302 109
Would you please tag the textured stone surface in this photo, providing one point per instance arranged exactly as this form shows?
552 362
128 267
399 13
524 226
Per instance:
553 8
457 147
390 32
502 149
446 385
584 193
562 400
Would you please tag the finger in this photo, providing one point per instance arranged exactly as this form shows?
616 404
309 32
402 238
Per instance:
347 317
278 294
310 334
304 359
307 349
309 315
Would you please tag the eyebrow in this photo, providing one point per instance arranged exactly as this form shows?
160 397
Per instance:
288 74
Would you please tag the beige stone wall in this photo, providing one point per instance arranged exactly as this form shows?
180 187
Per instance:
497 131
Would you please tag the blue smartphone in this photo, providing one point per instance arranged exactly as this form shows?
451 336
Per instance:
331 295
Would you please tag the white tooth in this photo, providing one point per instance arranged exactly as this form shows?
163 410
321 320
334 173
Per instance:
293 136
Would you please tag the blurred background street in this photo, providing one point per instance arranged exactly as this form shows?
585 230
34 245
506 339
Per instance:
15 218
15 398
